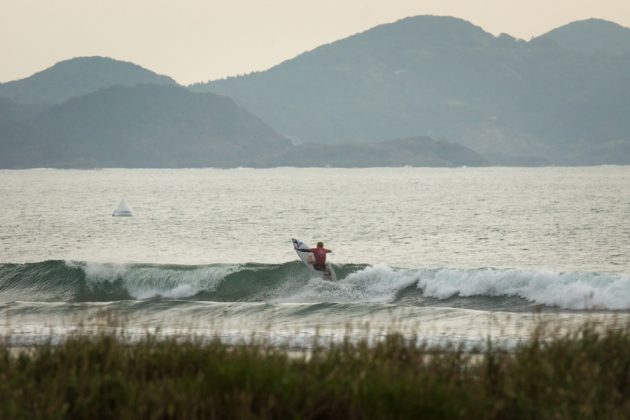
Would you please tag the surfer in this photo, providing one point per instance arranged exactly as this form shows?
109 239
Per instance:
319 257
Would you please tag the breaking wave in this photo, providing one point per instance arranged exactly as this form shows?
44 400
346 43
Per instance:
488 289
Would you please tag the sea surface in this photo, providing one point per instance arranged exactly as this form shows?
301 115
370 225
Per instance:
444 255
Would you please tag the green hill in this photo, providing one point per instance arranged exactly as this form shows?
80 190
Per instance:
511 100
78 76
562 98
11 111
141 126
169 126
592 36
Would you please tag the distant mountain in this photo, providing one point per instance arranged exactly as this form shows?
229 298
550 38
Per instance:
418 151
592 36
11 111
76 77
169 126
515 102
141 126
562 98
609 153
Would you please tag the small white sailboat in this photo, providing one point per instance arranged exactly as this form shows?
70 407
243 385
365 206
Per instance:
123 210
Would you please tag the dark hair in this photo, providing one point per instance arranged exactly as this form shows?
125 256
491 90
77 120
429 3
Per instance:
320 244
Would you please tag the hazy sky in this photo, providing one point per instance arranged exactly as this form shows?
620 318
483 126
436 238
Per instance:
197 40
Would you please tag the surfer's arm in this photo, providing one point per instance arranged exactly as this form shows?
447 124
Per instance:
304 250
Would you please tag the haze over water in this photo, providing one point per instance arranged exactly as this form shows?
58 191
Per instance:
441 248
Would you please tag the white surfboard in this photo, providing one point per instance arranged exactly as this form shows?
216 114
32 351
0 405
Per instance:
304 256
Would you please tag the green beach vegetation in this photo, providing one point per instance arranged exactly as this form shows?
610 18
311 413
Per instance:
584 373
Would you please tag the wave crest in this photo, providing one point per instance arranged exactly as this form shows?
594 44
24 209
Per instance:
488 289
576 291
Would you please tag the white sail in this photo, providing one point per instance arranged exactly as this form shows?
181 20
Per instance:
123 210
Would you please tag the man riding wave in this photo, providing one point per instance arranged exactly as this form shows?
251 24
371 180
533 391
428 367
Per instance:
318 259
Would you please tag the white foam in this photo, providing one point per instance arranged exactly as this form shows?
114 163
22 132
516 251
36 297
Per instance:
102 271
374 284
145 282
381 283
565 290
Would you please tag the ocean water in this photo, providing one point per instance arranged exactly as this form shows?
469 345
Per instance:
445 255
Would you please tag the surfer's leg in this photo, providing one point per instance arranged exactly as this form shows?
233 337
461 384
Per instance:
329 272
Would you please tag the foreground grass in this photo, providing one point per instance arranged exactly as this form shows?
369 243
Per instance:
584 374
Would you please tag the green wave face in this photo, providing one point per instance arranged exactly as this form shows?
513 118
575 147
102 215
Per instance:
60 281
478 288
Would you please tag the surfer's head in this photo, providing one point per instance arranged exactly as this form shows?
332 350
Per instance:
320 244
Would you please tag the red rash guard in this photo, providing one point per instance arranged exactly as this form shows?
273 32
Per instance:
320 255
